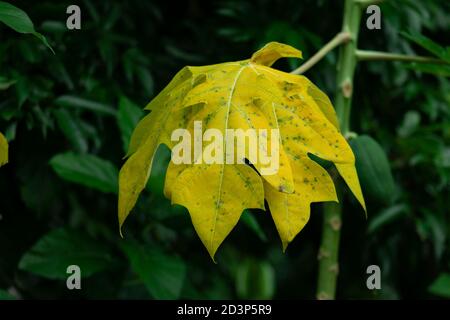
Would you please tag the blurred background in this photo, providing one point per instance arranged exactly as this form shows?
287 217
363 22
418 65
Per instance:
68 118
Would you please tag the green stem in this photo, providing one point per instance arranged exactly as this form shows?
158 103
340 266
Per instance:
365 55
338 39
347 64
329 251
329 248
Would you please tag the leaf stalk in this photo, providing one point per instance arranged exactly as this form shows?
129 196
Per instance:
337 40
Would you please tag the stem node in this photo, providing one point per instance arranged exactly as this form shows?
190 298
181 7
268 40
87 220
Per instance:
347 88
335 223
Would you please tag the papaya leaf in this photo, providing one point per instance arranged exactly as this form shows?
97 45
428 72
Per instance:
241 95
3 150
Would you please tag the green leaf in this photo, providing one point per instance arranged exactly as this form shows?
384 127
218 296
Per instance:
69 125
87 170
55 251
427 44
411 122
19 21
4 295
373 169
435 229
77 102
255 280
250 221
441 286
162 274
438 70
146 79
6 83
128 116
386 216
159 167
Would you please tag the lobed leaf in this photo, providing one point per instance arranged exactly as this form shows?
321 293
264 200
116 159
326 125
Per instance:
242 95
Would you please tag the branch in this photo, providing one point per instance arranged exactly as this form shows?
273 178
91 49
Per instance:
329 246
366 55
338 39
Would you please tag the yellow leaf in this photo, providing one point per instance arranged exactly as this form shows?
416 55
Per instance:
346 170
350 176
3 150
240 95
291 211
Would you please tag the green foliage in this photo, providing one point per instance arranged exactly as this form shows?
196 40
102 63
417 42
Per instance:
435 49
73 103
87 170
163 275
128 116
441 286
374 170
255 280
4 295
60 248
19 21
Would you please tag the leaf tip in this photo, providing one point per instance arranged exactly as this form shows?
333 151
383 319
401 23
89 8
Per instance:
285 245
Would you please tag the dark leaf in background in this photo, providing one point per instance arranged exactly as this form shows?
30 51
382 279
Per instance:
429 45
386 217
19 21
70 127
250 221
87 170
162 274
4 295
373 170
128 116
435 69
255 280
159 167
81 103
441 286
6 83
60 248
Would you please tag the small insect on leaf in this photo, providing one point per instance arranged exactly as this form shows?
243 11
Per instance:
291 113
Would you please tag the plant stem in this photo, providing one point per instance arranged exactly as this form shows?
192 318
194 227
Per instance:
338 39
347 64
364 55
329 248
329 251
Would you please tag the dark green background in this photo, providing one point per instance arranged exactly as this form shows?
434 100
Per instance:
68 116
